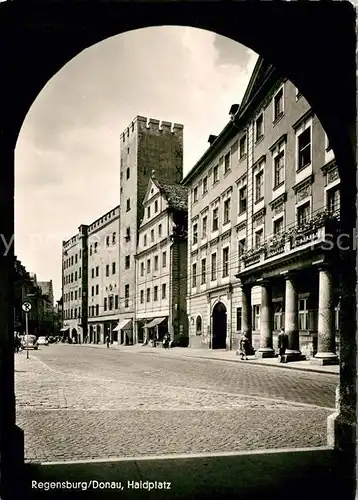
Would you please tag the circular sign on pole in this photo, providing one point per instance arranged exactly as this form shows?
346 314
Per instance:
26 306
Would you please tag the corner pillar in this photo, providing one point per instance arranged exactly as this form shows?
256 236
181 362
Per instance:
266 322
293 352
326 350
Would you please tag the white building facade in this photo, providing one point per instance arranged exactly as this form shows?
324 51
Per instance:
161 264
104 296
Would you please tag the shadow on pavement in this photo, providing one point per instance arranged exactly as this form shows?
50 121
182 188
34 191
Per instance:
293 474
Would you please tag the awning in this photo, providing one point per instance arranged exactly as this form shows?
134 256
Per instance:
121 325
155 322
64 329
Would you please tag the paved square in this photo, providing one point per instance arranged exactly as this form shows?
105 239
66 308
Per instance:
80 402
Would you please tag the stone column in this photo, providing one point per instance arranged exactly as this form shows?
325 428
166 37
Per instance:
291 319
266 322
135 332
246 312
326 350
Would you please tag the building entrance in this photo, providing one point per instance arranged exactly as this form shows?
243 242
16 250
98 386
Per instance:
219 326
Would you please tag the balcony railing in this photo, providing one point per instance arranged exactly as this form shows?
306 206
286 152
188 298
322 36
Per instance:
311 231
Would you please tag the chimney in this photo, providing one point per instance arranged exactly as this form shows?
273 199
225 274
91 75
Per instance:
212 139
234 109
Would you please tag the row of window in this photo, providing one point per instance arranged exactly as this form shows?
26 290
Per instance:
72 295
95 271
110 303
304 157
72 260
203 276
70 278
156 263
303 213
72 313
109 240
155 294
145 237
306 317
215 221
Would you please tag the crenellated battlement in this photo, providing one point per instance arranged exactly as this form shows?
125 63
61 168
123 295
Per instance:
145 122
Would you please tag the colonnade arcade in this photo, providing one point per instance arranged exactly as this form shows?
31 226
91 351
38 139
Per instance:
326 349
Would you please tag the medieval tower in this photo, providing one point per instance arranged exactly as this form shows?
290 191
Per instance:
147 145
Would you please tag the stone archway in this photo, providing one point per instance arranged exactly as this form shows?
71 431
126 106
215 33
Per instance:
219 326
321 63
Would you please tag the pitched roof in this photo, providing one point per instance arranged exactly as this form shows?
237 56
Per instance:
175 194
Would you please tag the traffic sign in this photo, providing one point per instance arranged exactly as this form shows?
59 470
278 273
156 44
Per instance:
26 306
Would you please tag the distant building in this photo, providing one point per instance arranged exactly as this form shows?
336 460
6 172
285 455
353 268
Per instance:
263 200
161 259
27 289
47 289
48 305
58 316
74 285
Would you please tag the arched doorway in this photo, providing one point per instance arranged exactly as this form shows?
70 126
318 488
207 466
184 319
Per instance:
219 326
199 325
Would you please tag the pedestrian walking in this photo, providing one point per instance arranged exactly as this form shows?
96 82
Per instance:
107 340
166 340
282 344
244 346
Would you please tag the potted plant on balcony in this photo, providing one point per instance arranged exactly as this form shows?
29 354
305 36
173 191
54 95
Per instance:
276 242
251 253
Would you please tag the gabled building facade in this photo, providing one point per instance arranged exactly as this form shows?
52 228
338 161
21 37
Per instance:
263 202
161 273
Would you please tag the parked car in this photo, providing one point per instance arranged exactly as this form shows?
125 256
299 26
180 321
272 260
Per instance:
29 341
42 341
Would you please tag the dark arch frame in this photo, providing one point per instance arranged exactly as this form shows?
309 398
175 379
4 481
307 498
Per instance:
317 55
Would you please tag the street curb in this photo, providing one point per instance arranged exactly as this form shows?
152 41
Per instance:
249 362
183 456
252 362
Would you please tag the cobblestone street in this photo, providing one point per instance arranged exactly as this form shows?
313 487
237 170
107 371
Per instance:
80 402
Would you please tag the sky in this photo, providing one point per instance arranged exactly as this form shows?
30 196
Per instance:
67 155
